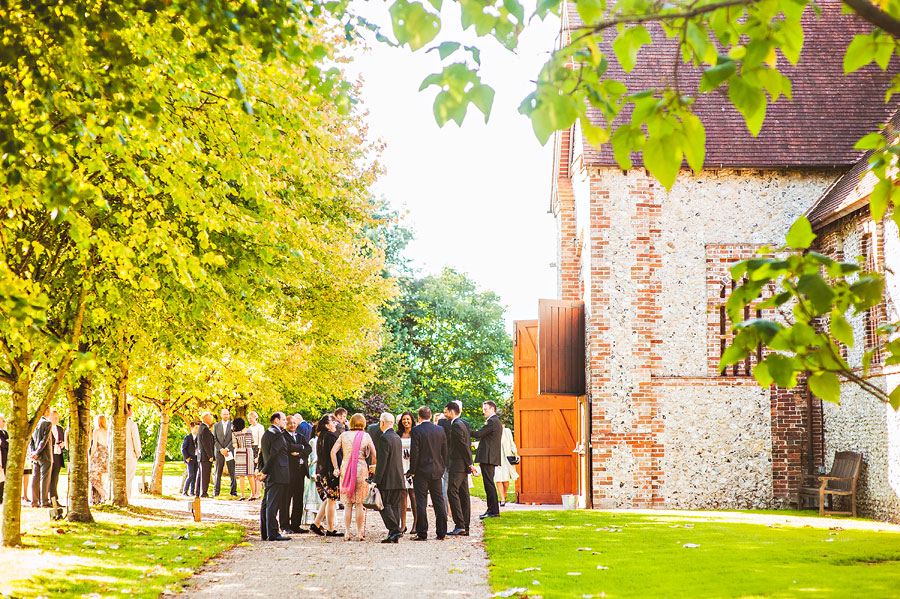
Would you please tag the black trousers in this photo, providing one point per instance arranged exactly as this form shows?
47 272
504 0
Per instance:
190 480
272 504
423 487
292 513
54 476
40 482
220 466
458 493
203 479
390 515
490 489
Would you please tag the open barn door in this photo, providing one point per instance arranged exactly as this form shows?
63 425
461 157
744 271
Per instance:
547 428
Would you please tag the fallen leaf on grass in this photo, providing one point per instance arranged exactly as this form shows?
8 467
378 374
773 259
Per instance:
603 567
510 592
690 545
532 569
574 573
245 544
535 582
89 544
584 549
454 570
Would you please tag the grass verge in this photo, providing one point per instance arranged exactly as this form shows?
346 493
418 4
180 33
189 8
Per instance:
596 554
478 489
138 552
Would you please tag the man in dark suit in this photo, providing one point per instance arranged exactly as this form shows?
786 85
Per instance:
298 449
427 456
206 452
275 473
303 427
340 414
459 451
374 431
58 441
189 450
488 455
224 450
40 449
389 475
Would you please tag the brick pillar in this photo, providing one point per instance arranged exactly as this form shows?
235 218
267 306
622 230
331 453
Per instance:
790 441
626 426
568 264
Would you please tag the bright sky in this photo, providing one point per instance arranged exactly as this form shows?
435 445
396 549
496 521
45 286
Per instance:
477 196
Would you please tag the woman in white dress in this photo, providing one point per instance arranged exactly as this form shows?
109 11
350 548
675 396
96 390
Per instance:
99 460
404 426
506 472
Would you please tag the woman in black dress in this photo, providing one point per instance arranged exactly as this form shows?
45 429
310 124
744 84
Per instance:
327 483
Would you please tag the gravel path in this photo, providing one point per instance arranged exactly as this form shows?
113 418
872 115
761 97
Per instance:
310 566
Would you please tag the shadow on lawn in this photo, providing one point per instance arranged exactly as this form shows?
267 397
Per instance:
104 558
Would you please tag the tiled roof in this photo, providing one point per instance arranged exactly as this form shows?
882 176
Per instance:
830 111
851 192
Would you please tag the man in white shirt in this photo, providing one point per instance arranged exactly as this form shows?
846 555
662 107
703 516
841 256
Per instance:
224 452
132 450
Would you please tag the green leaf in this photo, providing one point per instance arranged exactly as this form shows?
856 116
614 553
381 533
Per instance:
553 113
825 385
662 157
590 11
761 374
894 398
694 146
715 76
860 52
750 102
867 291
446 49
872 141
800 235
596 136
867 361
841 329
413 24
628 43
817 290
880 198
782 370
482 96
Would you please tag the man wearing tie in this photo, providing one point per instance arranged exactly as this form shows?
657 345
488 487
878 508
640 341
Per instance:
459 451
59 443
291 514
275 473
207 454
40 449
224 453
427 456
488 455
389 475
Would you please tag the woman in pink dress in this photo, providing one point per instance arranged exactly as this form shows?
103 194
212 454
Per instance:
357 446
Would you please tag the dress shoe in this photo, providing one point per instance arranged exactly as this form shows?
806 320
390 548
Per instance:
419 538
459 532
390 539
483 516
280 538
441 538
333 533
299 531
317 529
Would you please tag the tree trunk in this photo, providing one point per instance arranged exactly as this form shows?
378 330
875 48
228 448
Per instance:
19 432
159 459
79 450
117 479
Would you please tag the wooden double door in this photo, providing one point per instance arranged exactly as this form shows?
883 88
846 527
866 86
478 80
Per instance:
548 429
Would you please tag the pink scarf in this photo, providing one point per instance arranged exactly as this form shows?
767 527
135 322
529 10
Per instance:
348 485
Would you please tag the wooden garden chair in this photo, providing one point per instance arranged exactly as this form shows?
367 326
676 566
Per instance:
840 481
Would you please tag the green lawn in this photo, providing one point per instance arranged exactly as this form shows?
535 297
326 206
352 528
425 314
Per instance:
478 489
115 558
595 554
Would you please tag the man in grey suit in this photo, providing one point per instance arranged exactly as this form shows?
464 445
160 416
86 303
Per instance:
488 455
40 449
389 476
222 435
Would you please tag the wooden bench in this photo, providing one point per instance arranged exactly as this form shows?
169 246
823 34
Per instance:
840 481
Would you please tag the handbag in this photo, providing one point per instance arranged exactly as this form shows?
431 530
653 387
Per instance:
373 499
513 459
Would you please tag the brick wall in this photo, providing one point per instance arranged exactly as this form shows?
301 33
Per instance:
791 449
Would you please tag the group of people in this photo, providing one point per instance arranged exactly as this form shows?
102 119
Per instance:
408 465
46 458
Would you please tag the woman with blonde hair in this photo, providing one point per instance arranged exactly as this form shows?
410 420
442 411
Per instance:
506 471
99 456
353 471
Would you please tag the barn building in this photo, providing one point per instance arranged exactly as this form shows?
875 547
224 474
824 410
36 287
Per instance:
617 391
